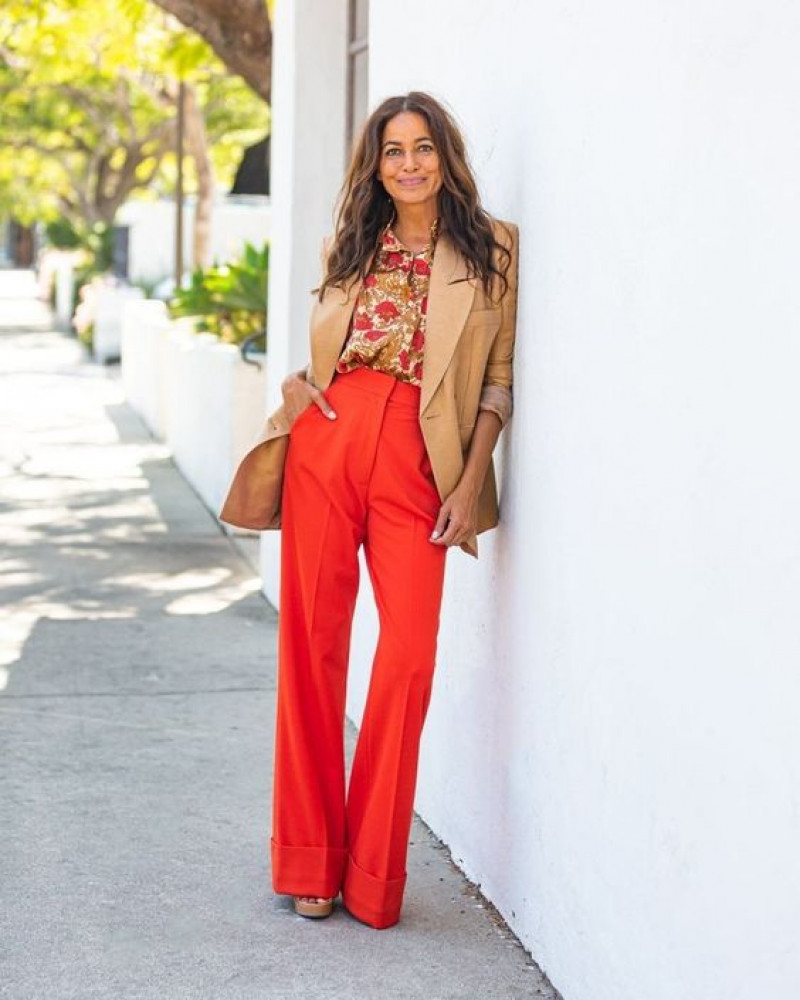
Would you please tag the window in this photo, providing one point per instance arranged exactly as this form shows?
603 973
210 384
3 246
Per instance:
357 68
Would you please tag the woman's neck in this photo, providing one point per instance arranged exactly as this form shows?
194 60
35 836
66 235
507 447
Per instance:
412 224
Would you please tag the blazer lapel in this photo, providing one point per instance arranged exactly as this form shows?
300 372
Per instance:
450 296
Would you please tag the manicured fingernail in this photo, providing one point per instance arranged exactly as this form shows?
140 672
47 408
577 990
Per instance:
331 415
434 535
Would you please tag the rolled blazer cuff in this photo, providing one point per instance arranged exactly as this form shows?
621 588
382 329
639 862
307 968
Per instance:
498 399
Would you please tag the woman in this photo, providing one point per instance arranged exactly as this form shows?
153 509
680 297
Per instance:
388 436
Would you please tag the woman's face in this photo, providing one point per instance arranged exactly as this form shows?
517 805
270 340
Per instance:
409 163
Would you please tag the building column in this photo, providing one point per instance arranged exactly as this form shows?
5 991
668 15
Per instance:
307 167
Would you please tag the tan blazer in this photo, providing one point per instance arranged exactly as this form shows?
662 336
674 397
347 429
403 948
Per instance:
469 341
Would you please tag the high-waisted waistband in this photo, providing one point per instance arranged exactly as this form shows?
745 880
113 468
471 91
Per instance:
380 384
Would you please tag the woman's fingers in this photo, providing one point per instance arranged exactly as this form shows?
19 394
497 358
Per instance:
294 396
299 394
455 523
318 397
437 536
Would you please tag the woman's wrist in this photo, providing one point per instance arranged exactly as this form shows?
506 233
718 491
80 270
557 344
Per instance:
484 438
468 484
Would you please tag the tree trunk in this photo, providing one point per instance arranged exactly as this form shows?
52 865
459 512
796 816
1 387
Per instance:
108 188
237 30
198 147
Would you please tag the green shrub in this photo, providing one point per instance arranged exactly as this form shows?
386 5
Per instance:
62 234
229 300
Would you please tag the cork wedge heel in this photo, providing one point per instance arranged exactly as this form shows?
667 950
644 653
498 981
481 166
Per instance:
313 906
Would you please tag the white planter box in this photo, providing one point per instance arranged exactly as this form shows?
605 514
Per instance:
193 392
145 324
214 407
107 339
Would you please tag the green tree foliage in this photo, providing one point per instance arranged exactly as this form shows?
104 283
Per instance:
88 91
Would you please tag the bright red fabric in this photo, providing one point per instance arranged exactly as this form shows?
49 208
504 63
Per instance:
364 478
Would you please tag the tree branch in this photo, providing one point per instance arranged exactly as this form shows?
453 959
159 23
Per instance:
237 30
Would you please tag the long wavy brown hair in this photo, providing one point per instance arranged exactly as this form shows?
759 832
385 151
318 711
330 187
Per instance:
365 208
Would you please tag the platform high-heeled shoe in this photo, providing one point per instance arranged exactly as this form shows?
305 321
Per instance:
313 906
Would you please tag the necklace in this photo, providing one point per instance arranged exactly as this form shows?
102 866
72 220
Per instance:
434 233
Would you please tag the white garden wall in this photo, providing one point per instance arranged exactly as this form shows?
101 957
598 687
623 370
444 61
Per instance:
64 279
214 409
109 304
143 366
195 393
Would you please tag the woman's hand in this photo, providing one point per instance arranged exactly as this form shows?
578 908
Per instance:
458 517
298 394
461 507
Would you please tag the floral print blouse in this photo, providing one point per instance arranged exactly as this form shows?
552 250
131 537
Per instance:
387 331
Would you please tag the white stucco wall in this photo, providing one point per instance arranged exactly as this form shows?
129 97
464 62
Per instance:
151 240
612 749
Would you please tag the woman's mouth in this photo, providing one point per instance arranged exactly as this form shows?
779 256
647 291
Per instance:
411 181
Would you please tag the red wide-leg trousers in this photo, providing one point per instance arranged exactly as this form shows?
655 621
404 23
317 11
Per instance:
363 478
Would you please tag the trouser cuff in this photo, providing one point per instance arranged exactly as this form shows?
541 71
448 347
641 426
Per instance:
307 871
374 901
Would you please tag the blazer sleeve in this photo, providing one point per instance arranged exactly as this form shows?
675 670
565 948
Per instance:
496 393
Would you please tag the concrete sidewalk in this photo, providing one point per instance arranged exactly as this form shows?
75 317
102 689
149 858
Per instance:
136 717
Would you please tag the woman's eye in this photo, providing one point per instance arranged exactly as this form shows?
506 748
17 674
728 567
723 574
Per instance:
426 147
